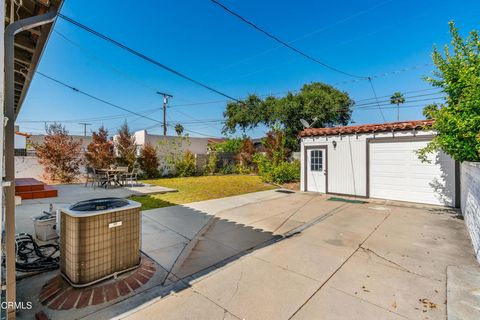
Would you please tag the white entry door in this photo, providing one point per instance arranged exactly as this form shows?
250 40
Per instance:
316 170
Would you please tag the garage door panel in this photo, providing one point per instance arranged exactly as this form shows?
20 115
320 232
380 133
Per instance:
396 173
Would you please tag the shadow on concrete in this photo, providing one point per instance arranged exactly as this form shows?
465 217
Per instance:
185 244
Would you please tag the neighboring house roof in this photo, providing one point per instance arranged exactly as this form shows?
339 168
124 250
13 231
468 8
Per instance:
23 134
365 128
215 140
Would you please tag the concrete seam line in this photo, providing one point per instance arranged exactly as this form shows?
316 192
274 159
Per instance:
295 212
315 221
338 269
188 248
373 304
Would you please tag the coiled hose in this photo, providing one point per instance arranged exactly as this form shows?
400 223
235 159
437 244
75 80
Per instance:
27 249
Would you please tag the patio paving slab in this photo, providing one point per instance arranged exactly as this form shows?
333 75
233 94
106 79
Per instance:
254 289
181 219
391 287
463 292
166 256
311 260
184 305
215 206
143 189
156 236
237 237
205 253
333 304
426 247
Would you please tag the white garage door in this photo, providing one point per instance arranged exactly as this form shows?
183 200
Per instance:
396 173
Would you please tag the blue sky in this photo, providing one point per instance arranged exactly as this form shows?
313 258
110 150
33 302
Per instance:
201 40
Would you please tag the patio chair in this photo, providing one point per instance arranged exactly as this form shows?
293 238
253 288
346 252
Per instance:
89 176
102 178
131 177
121 172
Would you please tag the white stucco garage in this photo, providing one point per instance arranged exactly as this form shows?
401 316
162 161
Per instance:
378 161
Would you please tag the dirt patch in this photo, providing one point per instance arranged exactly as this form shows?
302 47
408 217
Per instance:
295 186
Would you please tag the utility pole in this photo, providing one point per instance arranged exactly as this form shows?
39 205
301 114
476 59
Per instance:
85 127
165 100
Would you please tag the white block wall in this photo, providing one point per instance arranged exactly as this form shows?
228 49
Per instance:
470 201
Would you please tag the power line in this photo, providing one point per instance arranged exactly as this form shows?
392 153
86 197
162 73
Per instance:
390 107
292 91
285 44
403 92
102 61
388 101
309 34
385 74
376 98
144 57
94 119
96 98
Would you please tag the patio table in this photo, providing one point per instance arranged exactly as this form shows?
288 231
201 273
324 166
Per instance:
114 174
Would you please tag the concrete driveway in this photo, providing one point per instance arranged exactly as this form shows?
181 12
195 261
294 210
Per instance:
312 258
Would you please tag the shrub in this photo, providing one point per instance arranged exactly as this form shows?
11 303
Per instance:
242 169
229 169
212 163
126 146
246 152
285 172
275 148
100 150
59 154
282 172
230 145
185 165
148 161
172 151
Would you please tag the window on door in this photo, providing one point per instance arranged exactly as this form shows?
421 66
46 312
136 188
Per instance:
316 160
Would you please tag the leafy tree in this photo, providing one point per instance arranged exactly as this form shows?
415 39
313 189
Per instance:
458 75
100 150
172 151
275 146
232 145
179 129
315 100
126 146
398 99
148 161
429 111
59 154
246 152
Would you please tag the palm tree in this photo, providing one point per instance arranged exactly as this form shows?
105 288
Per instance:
397 98
179 129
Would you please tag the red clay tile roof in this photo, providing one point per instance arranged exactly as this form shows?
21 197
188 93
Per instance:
365 128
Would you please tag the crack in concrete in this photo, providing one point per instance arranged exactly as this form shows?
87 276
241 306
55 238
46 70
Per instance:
399 266
340 267
237 284
369 302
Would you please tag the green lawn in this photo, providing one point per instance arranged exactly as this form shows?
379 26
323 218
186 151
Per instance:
193 189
